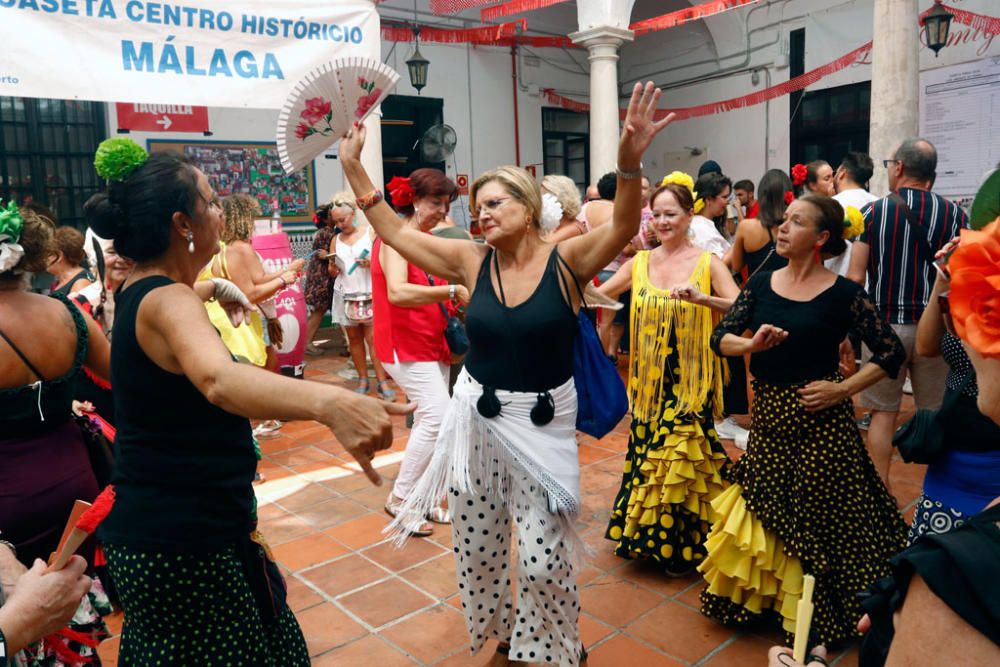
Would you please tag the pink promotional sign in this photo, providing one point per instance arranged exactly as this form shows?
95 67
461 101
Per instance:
276 253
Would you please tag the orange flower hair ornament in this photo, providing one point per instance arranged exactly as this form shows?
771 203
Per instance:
974 295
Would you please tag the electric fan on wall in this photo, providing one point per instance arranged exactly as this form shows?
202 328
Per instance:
438 143
325 104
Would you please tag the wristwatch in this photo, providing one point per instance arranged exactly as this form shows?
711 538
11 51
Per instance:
451 291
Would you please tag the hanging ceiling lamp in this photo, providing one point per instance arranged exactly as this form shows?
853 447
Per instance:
417 64
937 22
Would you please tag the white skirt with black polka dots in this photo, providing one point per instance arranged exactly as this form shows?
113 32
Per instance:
516 447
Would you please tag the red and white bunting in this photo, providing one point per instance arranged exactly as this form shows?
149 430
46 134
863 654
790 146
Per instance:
682 16
487 35
455 6
514 7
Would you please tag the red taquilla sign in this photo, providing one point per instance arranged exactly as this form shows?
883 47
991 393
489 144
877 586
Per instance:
162 117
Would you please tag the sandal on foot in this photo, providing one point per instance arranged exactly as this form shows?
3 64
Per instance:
393 505
385 392
314 351
439 515
363 386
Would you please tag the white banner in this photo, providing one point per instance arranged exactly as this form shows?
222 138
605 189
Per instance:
196 52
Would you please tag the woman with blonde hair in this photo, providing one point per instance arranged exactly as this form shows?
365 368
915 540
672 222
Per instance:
507 450
238 262
565 192
675 463
352 290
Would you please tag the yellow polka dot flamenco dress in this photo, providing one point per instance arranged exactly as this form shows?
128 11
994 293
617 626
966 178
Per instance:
675 464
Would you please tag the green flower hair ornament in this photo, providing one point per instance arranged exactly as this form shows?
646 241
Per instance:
118 157
11 224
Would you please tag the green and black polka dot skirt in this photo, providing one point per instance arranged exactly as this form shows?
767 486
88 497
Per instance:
197 609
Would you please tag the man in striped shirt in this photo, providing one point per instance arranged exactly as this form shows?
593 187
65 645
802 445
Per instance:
896 252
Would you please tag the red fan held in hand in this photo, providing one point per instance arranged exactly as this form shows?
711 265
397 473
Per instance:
83 521
326 103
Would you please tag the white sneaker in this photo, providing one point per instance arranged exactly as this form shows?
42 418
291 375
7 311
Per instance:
267 429
907 386
741 441
728 429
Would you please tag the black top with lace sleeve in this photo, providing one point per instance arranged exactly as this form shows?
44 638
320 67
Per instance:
815 330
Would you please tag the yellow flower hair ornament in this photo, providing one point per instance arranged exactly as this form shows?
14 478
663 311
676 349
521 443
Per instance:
679 178
699 204
854 222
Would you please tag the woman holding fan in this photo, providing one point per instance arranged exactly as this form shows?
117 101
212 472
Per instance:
507 449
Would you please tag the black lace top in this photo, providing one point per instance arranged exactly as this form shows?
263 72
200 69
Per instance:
41 406
815 330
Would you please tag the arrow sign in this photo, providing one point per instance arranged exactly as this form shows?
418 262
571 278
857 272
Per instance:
161 117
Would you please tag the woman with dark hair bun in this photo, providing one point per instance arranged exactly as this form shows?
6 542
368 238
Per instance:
192 570
754 243
409 322
44 463
805 498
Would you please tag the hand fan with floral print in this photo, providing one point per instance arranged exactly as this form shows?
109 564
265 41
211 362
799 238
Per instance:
323 106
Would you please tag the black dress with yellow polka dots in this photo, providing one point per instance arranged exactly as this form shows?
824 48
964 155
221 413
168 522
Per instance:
805 498
675 465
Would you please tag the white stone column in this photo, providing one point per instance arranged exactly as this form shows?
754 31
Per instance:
371 154
895 100
603 42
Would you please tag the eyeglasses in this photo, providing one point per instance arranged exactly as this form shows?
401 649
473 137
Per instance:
886 163
491 205
945 306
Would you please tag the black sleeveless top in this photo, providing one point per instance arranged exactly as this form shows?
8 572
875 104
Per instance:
525 348
44 405
765 258
183 467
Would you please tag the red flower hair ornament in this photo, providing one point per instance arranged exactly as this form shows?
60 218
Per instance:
789 197
799 173
401 191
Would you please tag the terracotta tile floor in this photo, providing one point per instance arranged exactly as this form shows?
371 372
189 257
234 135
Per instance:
359 600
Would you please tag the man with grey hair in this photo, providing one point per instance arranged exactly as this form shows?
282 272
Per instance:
902 233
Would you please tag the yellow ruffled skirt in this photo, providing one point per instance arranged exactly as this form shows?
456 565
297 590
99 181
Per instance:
673 470
748 564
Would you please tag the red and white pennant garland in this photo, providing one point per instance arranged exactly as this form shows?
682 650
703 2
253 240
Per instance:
515 7
987 24
682 16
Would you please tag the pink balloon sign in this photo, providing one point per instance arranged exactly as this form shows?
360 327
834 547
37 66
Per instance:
276 253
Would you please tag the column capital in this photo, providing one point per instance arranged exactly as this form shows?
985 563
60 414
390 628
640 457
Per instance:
604 35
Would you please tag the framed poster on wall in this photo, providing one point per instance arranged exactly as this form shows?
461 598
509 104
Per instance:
252 168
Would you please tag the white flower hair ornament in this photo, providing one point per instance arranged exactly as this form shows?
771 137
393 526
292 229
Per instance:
552 212
11 225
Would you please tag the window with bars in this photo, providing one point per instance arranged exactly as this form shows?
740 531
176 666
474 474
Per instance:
566 145
47 153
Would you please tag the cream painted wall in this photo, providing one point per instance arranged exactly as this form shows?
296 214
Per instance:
736 139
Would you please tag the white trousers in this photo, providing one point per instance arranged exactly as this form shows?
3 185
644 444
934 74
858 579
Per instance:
543 625
426 384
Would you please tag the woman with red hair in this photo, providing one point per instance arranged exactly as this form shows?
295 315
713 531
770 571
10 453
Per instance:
410 320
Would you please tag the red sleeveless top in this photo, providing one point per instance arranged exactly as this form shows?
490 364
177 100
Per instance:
414 334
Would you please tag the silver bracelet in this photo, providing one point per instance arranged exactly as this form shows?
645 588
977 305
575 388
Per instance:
629 175
451 291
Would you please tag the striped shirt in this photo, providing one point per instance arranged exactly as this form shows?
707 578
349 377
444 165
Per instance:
900 270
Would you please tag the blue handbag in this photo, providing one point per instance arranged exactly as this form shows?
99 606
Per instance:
601 398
